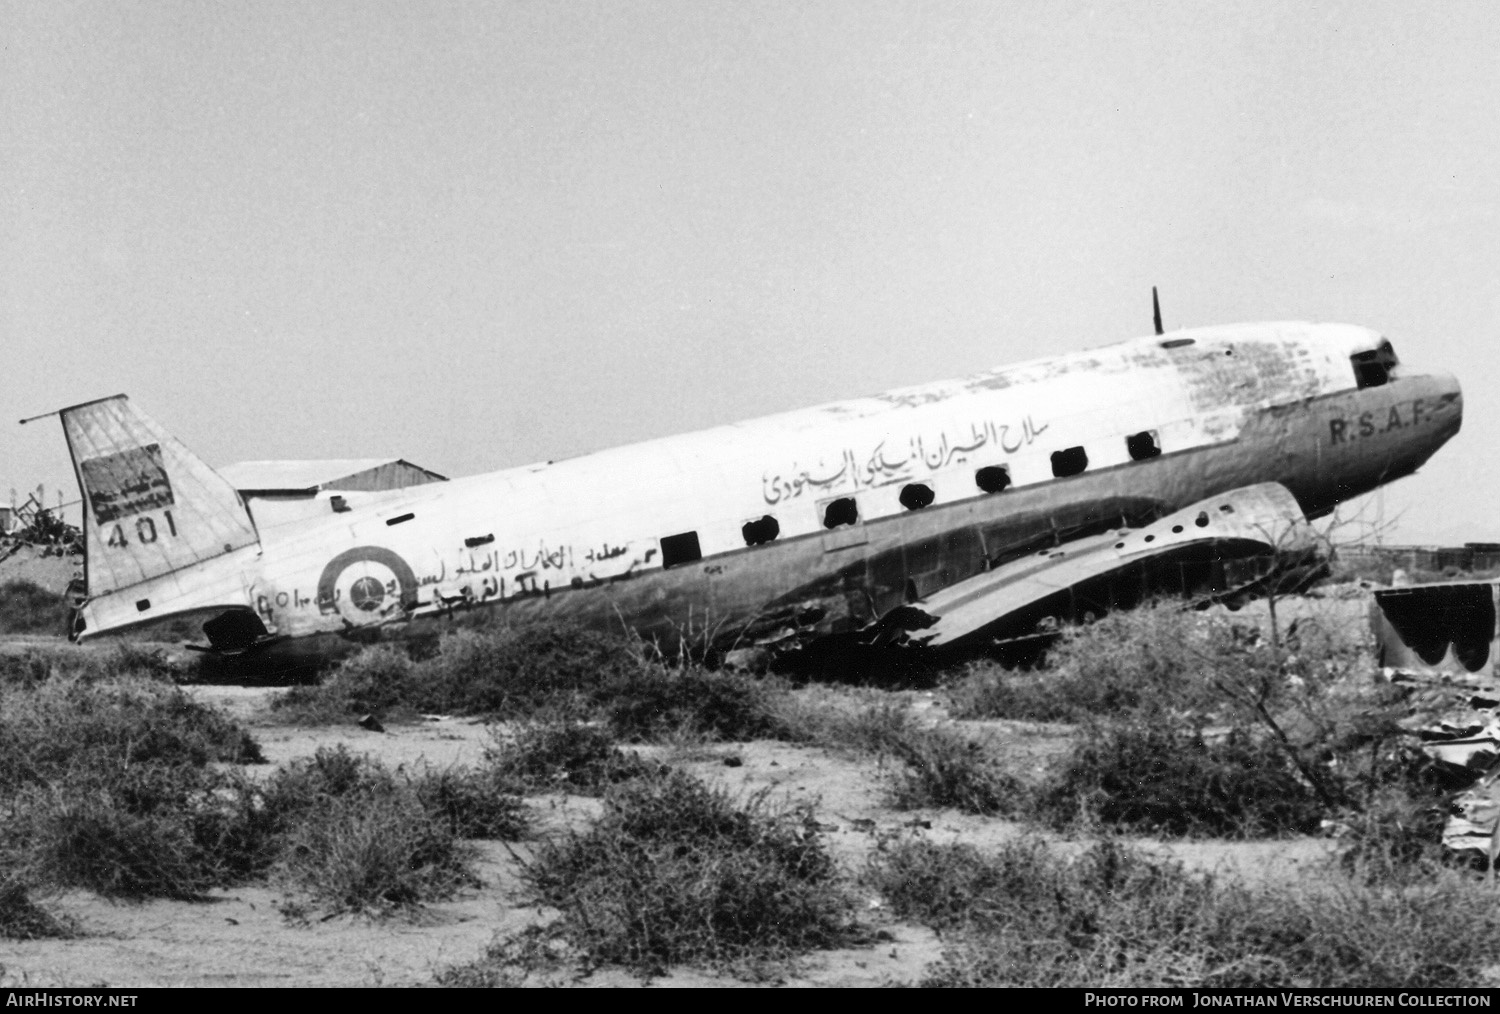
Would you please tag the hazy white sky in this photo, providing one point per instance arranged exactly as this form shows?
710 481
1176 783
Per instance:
479 234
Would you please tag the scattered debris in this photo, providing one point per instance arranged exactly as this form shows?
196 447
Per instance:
32 524
1456 723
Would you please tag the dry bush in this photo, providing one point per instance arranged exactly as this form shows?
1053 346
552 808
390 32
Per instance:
935 767
473 804
356 836
27 668
1150 658
379 680
651 701
677 872
125 660
149 846
63 727
114 787
108 784
1284 681
942 768
470 803
546 672
375 853
520 671
511 960
562 756
23 919
877 728
28 608
1155 779
503 672
1023 916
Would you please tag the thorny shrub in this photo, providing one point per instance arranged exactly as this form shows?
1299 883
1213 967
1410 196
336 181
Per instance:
562 755
545 672
502 672
28 608
678 872
942 768
21 918
1111 917
1156 779
652 700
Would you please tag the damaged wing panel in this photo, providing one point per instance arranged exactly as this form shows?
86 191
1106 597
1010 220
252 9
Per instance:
1264 516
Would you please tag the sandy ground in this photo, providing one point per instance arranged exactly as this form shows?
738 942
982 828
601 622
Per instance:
243 938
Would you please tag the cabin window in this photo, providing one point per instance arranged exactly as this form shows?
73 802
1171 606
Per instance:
760 531
479 540
992 478
1176 343
1143 445
840 512
1373 368
1072 461
680 549
916 495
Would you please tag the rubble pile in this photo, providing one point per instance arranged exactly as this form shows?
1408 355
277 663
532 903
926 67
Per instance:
1456 722
35 526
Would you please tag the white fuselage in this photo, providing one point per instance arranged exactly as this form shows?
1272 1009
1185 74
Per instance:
588 537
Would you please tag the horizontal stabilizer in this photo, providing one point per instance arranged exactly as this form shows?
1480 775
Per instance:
151 507
1264 515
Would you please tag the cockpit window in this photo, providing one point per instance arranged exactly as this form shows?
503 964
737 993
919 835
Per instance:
1373 368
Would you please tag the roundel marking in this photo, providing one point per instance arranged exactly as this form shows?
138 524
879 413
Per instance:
367 593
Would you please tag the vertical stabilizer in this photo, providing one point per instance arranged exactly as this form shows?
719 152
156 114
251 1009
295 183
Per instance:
150 505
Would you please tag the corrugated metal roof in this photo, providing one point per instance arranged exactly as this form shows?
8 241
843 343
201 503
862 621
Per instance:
302 475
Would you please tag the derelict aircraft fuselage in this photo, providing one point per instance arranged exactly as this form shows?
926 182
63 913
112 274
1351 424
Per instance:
961 503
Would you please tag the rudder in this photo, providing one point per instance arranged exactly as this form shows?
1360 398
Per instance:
150 506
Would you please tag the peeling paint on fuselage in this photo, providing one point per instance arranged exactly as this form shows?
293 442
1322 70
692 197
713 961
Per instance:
583 538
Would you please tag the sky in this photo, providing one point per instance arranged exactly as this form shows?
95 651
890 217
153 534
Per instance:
480 234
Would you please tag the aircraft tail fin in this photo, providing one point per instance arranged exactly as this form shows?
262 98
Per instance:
150 506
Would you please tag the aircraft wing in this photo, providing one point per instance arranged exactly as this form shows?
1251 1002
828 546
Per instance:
1250 521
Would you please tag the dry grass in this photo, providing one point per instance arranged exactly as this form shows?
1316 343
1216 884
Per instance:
678 872
1024 916
21 918
28 608
1155 779
562 756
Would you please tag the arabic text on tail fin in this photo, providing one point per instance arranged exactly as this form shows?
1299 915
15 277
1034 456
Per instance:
150 506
